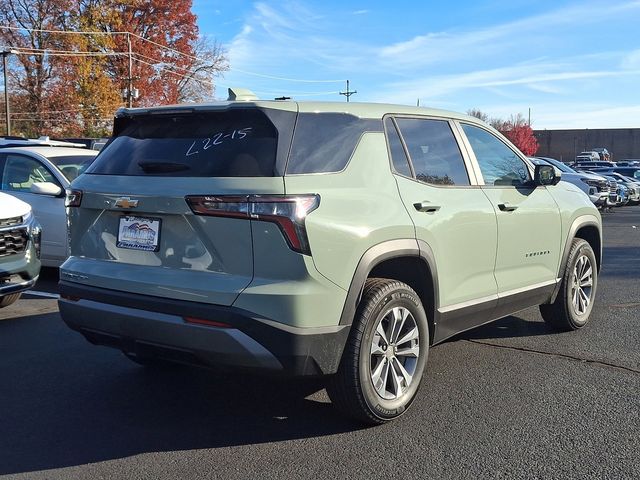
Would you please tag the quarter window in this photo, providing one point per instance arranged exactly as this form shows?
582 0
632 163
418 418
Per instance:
434 151
398 156
499 164
324 142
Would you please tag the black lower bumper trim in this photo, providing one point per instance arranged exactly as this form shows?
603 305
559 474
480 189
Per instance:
300 351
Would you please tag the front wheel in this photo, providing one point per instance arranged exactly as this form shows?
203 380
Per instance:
573 305
7 300
385 356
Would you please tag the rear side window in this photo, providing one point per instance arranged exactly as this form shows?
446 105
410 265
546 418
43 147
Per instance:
233 143
434 151
324 142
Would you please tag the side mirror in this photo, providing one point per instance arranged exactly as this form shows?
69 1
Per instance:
46 188
546 175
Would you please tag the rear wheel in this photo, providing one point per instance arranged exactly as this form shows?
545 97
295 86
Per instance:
385 355
9 299
573 305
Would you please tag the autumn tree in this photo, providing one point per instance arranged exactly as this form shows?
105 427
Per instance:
71 83
519 132
171 63
31 70
474 112
516 129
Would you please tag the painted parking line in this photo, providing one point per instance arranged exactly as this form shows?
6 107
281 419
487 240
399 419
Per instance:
36 293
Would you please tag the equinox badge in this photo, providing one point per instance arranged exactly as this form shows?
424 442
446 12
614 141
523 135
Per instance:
126 202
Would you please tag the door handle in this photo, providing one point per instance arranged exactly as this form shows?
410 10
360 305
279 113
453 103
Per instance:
426 207
507 207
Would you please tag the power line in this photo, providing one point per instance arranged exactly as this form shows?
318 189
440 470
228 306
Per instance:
298 94
76 110
245 72
38 52
77 32
56 119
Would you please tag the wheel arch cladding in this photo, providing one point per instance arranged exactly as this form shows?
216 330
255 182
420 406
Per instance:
591 234
403 260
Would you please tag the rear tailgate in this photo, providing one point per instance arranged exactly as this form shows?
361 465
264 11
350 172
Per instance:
134 231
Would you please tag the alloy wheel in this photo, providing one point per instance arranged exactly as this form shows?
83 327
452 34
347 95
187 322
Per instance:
582 285
395 349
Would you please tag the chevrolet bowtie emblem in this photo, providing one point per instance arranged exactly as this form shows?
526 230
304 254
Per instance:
126 202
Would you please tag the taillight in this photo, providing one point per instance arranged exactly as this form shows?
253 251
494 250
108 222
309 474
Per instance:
73 198
287 211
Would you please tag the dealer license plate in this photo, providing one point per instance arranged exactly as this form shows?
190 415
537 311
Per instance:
138 233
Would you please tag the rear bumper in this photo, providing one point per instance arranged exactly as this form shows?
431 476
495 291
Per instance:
152 326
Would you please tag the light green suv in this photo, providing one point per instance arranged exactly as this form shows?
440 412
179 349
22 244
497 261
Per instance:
318 239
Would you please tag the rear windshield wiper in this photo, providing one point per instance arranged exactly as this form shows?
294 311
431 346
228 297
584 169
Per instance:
162 167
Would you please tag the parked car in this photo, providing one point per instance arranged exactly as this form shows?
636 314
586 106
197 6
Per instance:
628 163
39 175
632 172
632 185
589 164
214 234
44 141
587 156
595 186
603 153
19 249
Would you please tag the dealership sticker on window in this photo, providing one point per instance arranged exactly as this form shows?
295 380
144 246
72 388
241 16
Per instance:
137 233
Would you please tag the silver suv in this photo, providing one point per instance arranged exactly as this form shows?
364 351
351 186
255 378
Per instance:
318 239
20 236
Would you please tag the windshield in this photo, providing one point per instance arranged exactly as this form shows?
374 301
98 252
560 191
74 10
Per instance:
72 166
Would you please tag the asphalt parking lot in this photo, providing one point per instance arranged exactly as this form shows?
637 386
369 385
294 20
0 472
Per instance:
507 400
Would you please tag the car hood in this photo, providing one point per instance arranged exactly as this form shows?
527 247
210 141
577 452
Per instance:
12 207
591 176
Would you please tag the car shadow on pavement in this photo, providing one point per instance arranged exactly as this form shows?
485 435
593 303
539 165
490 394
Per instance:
66 403
507 327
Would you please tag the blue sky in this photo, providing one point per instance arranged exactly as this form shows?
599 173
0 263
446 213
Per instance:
576 64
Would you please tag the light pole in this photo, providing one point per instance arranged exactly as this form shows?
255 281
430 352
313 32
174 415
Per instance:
4 54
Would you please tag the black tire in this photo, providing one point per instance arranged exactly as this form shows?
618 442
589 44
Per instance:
9 299
352 389
562 314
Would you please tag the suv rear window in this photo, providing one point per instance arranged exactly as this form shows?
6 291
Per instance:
324 142
233 143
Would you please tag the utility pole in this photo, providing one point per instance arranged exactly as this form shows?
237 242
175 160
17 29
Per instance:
130 89
348 93
529 116
4 54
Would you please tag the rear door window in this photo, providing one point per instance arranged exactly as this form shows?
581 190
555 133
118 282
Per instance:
233 143
434 151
